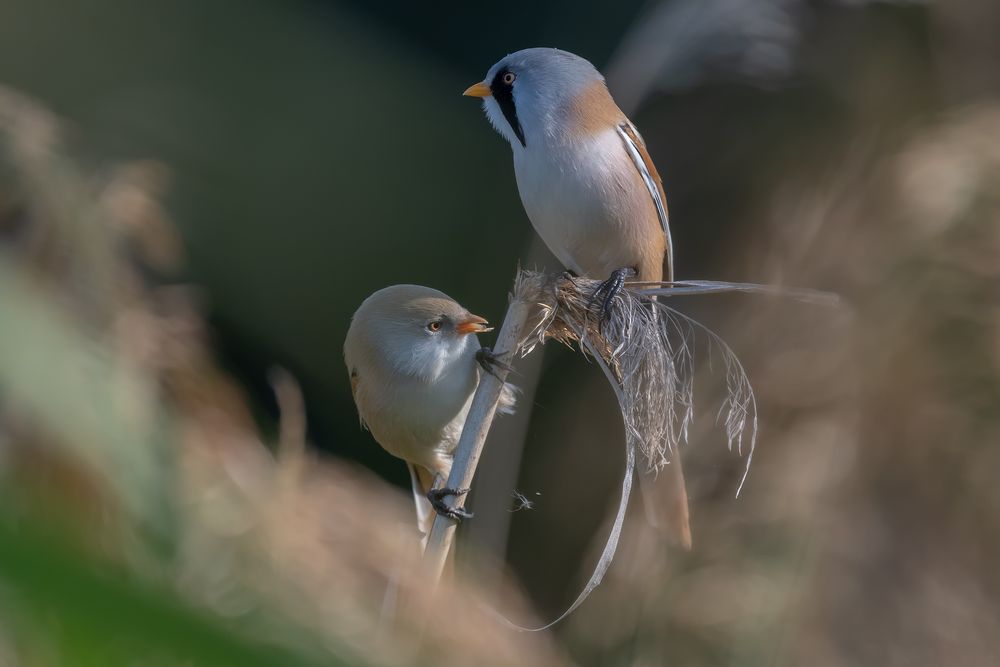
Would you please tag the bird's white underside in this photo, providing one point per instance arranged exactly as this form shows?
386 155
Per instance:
419 417
584 198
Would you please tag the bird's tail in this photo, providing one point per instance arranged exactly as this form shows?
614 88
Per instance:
665 501
422 480
664 496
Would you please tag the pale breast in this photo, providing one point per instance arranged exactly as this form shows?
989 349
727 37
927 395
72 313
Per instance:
589 205
416 420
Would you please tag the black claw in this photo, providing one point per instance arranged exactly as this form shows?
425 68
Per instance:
490 361
610 289
436 496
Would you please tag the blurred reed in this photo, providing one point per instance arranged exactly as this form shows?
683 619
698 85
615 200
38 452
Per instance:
145 516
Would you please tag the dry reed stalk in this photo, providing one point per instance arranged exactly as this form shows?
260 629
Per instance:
646 350
477 426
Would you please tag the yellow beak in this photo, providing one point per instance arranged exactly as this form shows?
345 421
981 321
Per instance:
478 90
473 324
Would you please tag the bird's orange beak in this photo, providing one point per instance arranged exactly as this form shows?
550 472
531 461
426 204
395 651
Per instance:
478 90
473 324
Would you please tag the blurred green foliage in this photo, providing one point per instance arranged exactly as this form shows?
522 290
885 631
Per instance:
67 607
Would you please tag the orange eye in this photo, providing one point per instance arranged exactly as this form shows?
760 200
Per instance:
508 78
434 326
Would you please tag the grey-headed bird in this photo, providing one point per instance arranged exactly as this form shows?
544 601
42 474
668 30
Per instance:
587 184
414 363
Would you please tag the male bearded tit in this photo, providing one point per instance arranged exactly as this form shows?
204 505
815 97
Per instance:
587 184
414 363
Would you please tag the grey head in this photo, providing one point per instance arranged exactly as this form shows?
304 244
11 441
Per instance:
410 330
527 93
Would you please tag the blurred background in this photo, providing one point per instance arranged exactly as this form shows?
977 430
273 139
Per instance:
195 197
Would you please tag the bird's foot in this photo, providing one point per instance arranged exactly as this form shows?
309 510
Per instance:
490 362
437 496
610 289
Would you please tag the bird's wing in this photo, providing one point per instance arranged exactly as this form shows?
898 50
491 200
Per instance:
636 149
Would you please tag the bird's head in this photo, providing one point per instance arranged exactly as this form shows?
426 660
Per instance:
530 93
413 331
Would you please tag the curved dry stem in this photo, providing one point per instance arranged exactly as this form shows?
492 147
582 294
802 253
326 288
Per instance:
647 351
650 348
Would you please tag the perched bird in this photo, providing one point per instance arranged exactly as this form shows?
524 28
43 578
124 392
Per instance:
586 181
414 363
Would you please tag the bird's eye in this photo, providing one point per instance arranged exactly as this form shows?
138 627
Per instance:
508 78
434 326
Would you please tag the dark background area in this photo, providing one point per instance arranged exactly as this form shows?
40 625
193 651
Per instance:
322 150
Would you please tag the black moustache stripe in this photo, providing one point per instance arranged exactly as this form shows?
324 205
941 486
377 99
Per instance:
503 93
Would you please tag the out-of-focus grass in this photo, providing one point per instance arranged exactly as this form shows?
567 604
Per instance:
98 409
144 518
